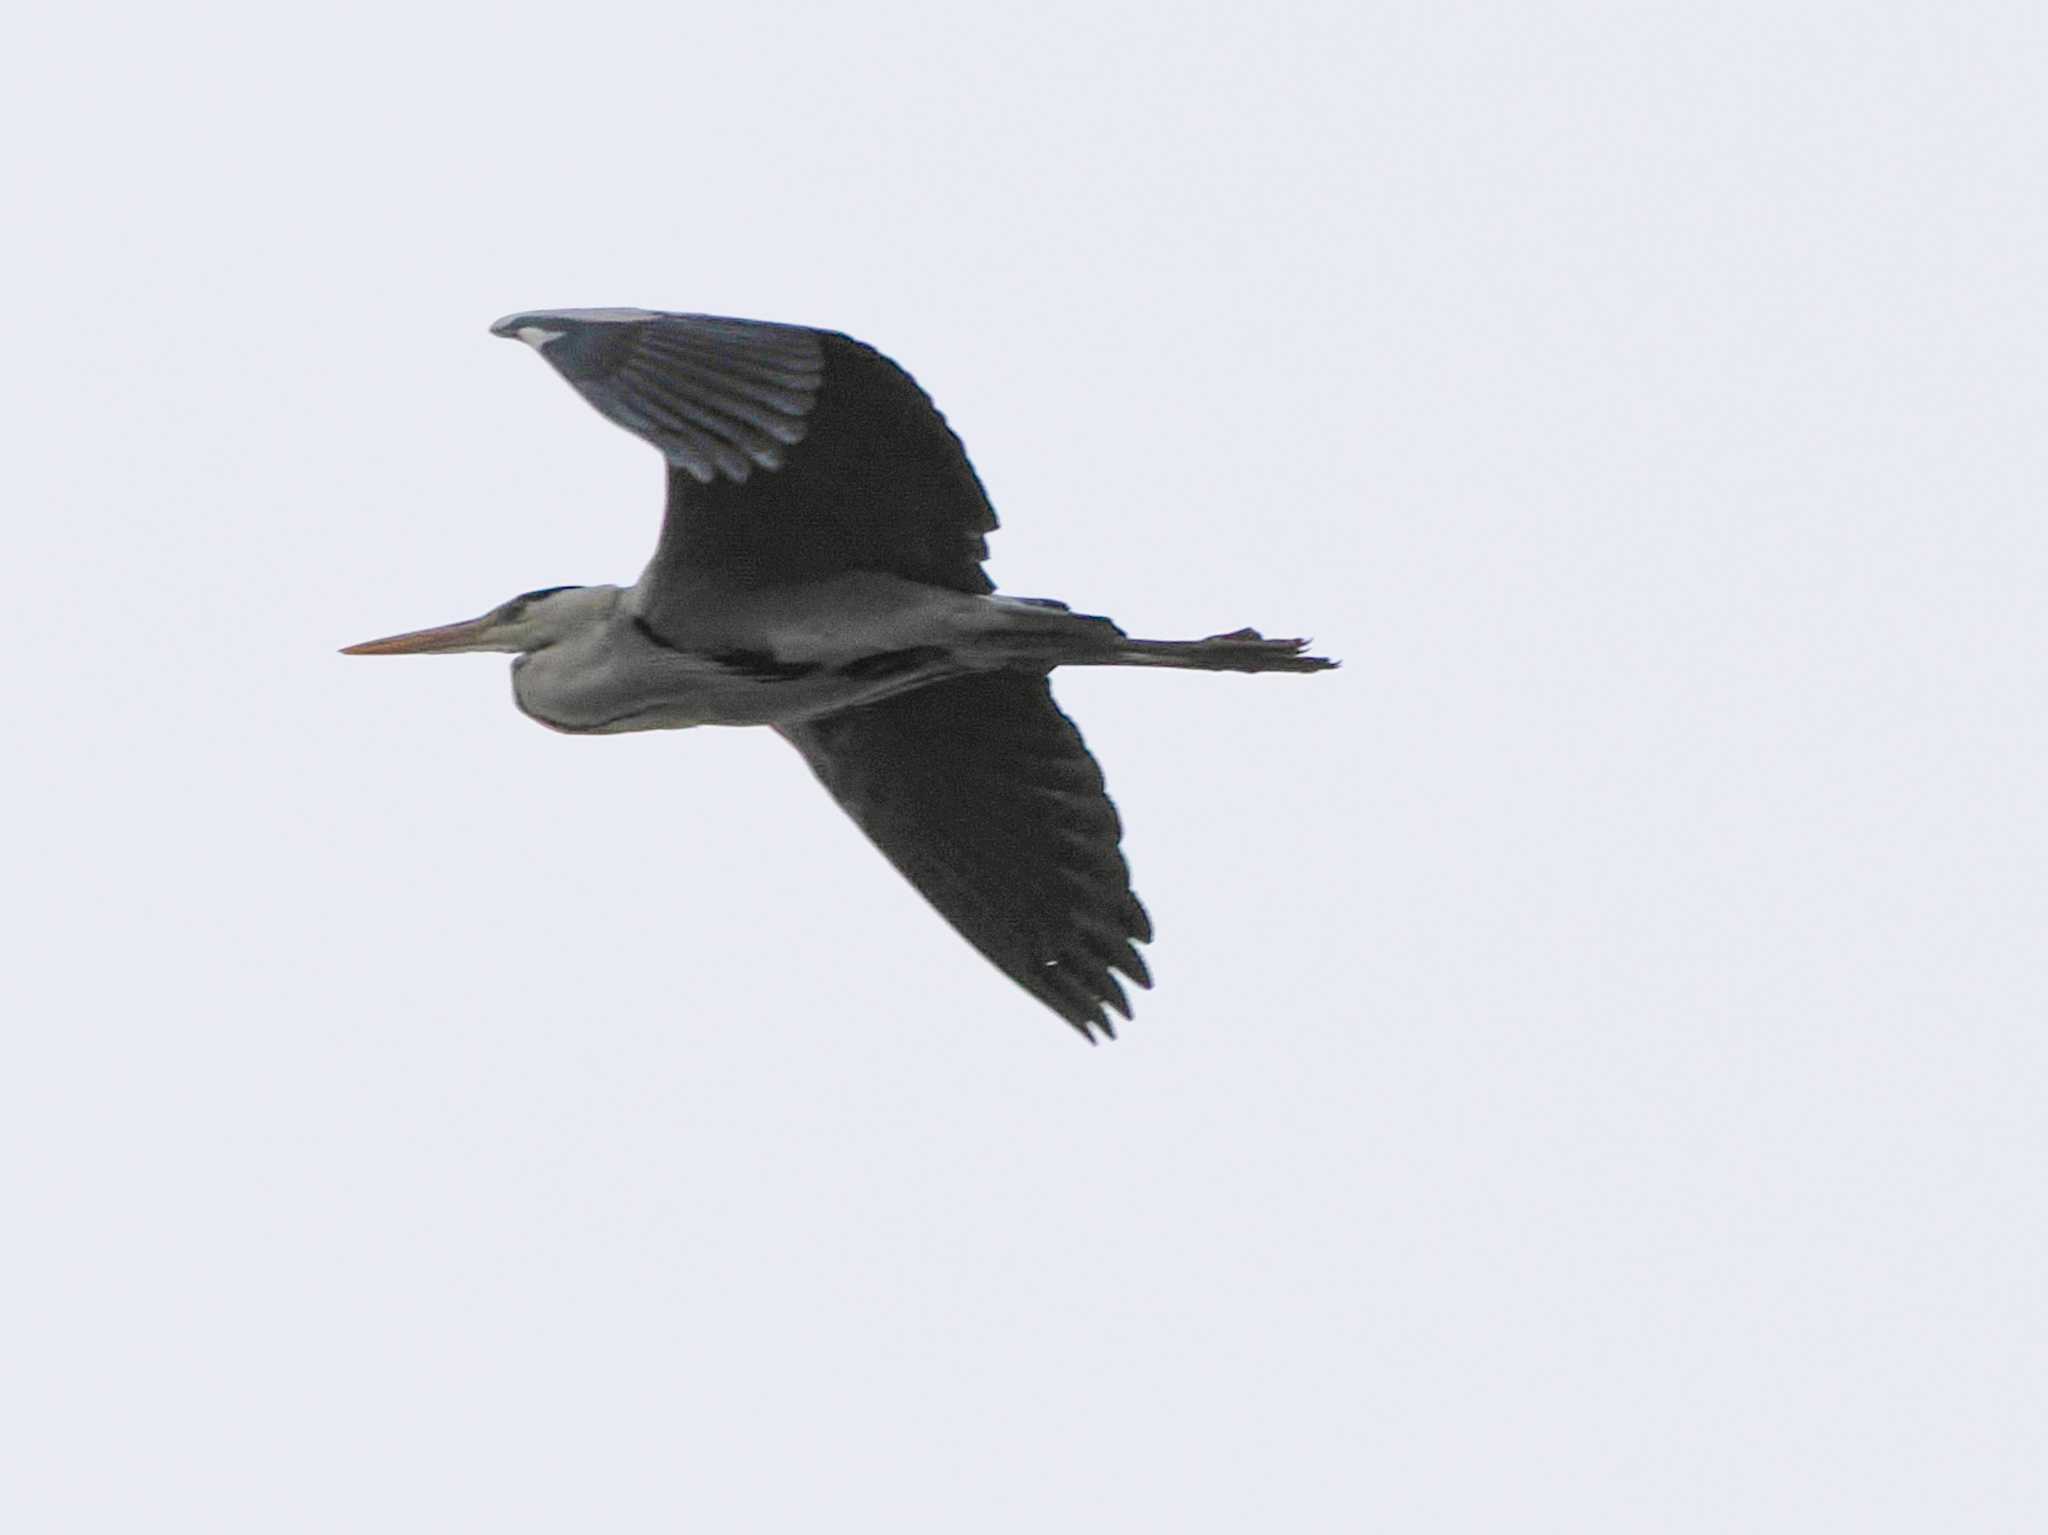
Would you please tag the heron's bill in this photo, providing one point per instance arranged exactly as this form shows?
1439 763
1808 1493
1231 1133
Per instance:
471 634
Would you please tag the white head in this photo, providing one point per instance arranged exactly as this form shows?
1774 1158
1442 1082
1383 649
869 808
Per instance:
529 622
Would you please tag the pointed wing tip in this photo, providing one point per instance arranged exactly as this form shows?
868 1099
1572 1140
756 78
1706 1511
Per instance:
1091 1010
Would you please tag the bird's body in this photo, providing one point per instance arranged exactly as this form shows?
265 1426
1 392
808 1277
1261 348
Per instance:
777 655
819 572
614 672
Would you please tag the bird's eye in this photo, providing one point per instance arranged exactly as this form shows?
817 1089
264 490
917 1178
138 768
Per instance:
518 605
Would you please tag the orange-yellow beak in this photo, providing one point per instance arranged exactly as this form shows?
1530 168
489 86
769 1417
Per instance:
471 634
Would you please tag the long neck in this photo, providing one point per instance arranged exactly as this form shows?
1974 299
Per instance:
572 678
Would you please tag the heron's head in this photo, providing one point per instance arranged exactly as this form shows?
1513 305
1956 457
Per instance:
531 621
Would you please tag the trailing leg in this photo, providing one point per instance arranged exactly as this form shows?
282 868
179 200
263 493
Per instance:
1241 650
1013 631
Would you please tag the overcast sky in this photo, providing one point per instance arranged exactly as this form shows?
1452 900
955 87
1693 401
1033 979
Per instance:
1596 1074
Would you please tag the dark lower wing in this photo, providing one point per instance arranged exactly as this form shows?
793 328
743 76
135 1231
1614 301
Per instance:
983 794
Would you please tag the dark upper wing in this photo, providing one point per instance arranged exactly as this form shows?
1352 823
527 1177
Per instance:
793 454
982 793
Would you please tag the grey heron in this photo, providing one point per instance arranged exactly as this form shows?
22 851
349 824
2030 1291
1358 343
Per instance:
819 571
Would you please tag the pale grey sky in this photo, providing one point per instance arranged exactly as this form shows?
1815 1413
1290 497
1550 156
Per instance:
1596 1074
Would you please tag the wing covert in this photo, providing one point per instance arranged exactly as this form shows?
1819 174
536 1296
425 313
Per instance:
794 454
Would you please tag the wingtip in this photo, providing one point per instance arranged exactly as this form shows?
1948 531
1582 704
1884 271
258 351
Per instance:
1086 1024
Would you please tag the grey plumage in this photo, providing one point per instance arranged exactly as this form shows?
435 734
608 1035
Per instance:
819 572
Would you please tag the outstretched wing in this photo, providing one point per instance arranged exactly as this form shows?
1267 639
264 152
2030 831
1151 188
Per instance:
794 454
983 794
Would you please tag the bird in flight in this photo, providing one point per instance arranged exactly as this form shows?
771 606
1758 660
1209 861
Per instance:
819 572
